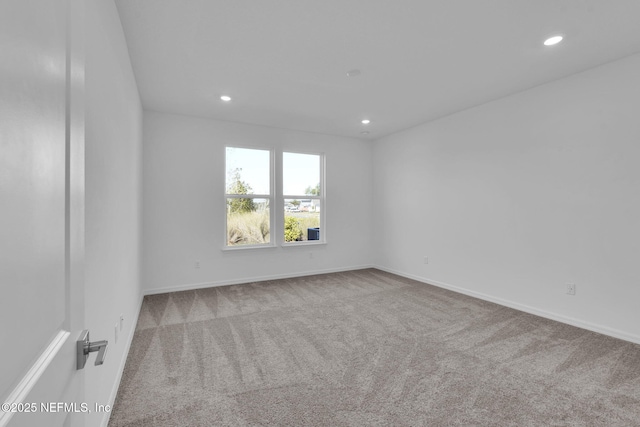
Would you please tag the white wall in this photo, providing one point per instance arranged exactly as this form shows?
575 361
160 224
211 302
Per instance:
184 207
113 197
516 198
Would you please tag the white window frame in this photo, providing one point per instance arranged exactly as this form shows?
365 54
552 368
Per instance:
270 197
276 200
322 198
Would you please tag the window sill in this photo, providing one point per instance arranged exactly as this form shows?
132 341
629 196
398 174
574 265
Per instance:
246 247
304 243
283 245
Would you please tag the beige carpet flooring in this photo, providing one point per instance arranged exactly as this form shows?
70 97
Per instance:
366 348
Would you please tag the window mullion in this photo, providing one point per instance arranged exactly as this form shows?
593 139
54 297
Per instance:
278 214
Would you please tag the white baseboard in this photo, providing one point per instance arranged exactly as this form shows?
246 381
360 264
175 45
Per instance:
521 307
191 286
123 362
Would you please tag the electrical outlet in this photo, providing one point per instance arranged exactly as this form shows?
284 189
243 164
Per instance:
426 260
197 264
571 288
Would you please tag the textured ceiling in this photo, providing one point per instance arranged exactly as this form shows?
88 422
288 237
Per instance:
284 62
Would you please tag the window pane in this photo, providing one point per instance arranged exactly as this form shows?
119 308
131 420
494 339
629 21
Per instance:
247 171
301 174
301 220
247 221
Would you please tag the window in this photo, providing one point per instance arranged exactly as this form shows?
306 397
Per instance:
248 193
303 197
250 198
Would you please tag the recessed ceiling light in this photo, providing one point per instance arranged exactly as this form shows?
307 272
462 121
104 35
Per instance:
353 73
366 121
225 98
553 40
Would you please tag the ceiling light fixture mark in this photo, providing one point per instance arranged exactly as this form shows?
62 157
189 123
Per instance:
553 40
366 121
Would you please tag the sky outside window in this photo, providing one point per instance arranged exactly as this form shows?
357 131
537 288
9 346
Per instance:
300 171
254 168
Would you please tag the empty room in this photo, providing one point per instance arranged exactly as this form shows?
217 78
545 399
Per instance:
319 213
